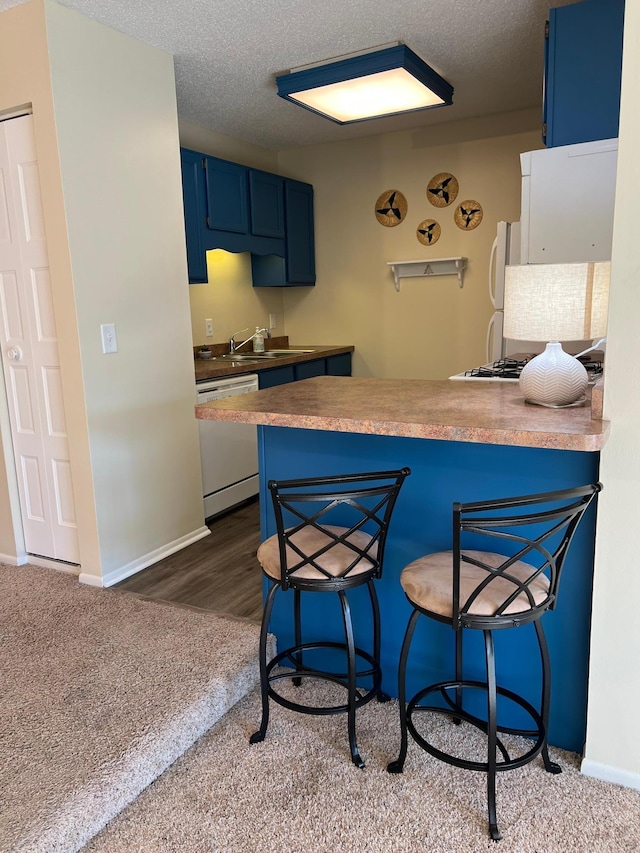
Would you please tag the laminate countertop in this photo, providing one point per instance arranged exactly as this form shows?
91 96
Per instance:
216 367
476 412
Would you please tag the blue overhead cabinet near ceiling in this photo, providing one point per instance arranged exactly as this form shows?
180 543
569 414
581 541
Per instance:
193 194
233 207
583 69
298 266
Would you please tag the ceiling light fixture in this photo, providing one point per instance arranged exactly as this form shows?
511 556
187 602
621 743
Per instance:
381 82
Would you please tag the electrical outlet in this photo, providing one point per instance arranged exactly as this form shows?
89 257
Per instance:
109 337
208 328
272 321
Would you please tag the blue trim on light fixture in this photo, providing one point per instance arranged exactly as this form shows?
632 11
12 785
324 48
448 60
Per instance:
352 67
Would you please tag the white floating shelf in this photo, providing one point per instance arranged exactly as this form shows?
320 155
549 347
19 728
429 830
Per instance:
437 266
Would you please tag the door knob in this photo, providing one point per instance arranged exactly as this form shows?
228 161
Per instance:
14 353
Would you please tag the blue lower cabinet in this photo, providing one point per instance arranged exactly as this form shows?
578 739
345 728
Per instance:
339 365
333 365
276 376
308 369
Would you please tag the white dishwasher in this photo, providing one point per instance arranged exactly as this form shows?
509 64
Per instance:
228 451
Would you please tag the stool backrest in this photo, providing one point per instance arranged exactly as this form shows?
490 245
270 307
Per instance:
342 508
532 529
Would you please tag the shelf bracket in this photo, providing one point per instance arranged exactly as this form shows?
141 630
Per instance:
437 266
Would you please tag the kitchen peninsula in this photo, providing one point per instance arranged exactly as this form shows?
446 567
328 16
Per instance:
463 441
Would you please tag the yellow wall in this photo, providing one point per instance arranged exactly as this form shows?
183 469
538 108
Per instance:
231 301
431 328
613 746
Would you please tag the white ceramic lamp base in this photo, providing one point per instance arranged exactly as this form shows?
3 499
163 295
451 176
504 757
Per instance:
554 378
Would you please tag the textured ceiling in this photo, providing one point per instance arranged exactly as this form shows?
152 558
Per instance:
227 55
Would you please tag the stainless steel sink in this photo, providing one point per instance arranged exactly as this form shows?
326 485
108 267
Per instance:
283 352
257 356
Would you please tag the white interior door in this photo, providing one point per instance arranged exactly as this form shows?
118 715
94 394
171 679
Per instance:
30 358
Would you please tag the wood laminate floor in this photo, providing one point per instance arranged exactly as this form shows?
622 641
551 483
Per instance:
219 572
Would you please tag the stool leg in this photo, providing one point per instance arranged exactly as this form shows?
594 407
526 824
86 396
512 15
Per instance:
258 736
298 634
492 734
398 765
351 679
375 609
459 641
549 766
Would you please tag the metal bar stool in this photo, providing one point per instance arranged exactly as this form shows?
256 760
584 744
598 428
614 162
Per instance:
331 536
488 591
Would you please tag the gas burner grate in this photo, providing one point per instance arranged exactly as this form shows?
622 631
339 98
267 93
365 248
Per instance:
511 368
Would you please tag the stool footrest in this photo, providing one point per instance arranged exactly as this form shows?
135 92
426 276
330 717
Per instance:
453 707
299 671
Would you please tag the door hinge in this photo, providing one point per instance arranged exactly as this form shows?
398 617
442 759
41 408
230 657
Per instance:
207 222
546 29
204 163
544 130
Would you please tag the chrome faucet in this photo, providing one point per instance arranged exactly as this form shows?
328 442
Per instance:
234 347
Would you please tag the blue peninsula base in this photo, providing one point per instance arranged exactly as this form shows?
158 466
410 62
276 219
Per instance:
443 472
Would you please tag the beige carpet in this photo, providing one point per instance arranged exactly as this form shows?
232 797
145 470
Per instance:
99 693
297 792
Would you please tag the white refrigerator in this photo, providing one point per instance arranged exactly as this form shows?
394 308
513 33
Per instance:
505 250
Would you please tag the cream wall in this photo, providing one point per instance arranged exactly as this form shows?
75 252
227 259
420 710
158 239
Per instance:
118 141
613 746
107 145
219 145
431 328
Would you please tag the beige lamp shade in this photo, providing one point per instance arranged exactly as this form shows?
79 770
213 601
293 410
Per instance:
556 302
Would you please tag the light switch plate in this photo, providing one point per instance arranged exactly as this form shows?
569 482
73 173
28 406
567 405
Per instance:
109 337
208 328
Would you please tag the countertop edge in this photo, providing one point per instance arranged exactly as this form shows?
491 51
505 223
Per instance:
590 443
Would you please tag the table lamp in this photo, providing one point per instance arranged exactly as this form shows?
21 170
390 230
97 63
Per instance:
553 303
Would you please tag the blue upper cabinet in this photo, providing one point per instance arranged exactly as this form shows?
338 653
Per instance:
301 263
193 192
583 69
227 196
266 192
239 209
298 265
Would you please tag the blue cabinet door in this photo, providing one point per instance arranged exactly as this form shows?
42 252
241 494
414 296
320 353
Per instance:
227 196
339 365
266 193
193 191
276 376
300 259
583 69
308 369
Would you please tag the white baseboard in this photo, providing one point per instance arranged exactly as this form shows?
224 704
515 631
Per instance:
149 559
610 774
12 560
65 568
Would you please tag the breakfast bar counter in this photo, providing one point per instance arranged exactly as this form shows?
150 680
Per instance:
464 441
479 412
